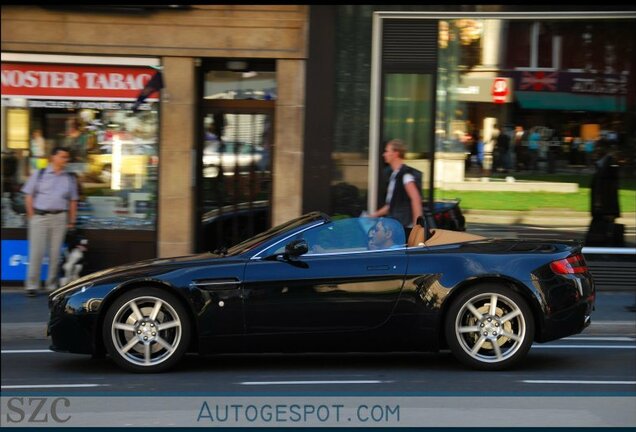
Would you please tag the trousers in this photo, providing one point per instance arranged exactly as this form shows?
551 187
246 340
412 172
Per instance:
46 236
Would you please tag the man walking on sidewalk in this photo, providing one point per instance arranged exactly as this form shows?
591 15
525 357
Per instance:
403 198
51 206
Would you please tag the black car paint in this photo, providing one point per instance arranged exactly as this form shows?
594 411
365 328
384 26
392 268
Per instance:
375 301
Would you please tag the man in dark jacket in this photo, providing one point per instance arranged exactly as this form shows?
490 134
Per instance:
403 197
605 185
604 203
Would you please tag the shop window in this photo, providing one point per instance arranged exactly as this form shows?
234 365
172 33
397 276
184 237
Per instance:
518 46
89 110
545 46
113 152
408 110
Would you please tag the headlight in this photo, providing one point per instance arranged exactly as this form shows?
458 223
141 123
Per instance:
62 292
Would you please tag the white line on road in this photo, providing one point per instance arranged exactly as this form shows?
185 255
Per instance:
601 338
578 382
313 382
25 351
6 387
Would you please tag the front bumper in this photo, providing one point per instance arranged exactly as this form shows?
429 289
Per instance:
72 322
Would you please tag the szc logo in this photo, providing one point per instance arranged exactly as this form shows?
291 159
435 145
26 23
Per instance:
37 410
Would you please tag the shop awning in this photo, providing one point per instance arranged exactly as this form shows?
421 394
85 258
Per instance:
570 101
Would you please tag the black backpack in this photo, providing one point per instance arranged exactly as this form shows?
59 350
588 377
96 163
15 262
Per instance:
417 175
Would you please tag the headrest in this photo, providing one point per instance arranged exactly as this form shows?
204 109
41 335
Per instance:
416 236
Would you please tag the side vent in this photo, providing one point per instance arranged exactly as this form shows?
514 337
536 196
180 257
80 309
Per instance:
215 284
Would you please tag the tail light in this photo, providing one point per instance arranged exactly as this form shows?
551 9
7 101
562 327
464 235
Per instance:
570 265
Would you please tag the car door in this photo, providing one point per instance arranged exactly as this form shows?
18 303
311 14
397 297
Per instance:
324 290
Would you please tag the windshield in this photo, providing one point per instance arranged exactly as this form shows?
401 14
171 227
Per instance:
259 239
348 235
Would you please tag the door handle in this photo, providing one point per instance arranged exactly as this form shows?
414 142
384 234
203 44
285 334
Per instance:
377 267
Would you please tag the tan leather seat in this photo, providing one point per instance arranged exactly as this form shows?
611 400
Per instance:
416 237
442 236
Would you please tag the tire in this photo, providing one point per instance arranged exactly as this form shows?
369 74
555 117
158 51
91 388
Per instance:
161 328
470 317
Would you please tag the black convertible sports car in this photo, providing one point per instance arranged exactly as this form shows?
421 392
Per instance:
317 284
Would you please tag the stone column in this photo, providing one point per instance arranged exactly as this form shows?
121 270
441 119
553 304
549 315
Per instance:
287 166
176 189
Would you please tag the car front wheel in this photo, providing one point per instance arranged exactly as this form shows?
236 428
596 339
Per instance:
146 330
489 328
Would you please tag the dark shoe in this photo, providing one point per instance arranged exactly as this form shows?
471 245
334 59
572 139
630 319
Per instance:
30 293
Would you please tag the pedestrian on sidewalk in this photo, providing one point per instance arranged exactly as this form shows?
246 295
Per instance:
403 197
604 202
51 206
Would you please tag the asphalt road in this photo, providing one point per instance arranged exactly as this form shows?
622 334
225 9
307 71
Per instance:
579 381
579 365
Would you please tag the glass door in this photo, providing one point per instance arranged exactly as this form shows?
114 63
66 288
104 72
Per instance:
235 172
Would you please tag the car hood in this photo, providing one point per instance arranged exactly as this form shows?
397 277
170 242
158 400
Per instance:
148 268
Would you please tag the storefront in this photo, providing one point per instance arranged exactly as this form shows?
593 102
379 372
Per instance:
84 104
243 62
435 76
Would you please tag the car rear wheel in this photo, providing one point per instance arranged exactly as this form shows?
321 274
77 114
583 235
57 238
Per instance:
489 327
146 330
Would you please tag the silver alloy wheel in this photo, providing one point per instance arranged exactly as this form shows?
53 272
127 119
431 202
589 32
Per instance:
146 331
490 327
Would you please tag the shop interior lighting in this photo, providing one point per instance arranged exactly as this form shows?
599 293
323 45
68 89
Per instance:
115 178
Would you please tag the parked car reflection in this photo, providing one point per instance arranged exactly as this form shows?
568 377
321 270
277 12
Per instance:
229 155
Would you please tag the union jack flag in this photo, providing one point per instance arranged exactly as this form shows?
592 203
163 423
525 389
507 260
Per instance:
539 81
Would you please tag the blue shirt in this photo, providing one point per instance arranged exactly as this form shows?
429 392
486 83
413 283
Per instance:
51 191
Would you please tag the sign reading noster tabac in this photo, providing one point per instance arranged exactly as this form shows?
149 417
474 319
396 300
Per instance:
51 81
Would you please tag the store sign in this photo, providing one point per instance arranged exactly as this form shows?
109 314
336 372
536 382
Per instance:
63 81
15 260
480 89
500 90
573 82
69 104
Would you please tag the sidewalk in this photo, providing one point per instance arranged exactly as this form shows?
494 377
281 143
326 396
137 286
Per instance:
25 317
547 217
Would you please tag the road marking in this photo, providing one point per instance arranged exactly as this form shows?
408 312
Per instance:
601 338
587 346
313 382
578 382
26 351
6 387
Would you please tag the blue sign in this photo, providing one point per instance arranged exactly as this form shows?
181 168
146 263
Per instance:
15 260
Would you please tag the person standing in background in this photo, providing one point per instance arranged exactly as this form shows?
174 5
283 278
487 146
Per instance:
517 148
604 202
51 206
533 148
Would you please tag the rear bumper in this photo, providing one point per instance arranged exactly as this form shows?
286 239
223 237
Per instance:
569 311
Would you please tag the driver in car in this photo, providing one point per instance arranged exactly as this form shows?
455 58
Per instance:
382 235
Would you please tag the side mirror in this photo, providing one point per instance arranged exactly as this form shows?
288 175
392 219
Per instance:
296 248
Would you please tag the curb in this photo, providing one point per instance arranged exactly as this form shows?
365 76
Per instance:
37 330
